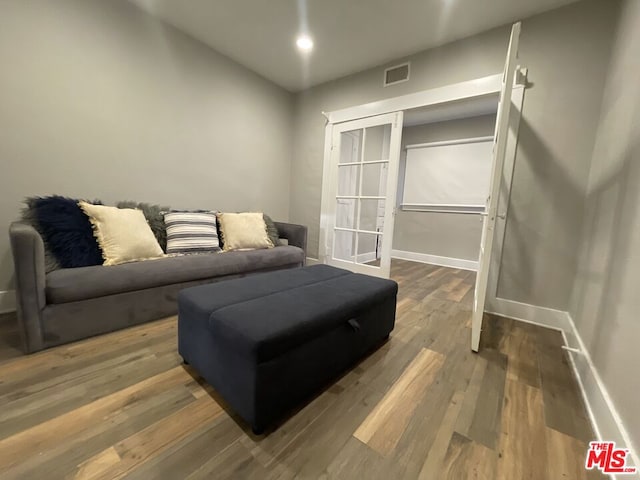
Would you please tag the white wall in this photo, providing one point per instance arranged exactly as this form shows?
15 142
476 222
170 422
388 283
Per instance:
567 52
441 234
100 100
605 304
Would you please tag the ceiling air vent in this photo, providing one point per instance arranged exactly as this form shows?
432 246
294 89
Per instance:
396 74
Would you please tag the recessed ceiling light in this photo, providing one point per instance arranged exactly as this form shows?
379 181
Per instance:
304 43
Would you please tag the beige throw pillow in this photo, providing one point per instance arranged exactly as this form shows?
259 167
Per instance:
122 233
243 231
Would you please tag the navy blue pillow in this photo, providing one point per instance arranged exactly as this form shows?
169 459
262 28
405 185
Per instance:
67 232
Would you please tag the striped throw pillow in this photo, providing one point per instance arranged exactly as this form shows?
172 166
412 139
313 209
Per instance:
191 232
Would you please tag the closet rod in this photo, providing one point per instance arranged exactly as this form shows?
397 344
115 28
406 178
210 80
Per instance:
444 143
460 212
459 209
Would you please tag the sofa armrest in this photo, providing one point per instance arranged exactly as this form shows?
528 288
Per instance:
295 234
28 259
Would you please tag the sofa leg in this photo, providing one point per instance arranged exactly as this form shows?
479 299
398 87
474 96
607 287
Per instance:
184 362
257 430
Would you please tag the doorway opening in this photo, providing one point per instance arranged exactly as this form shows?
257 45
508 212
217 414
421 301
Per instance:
364 188
443 184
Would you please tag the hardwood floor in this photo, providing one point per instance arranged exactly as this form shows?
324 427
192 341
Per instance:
423 406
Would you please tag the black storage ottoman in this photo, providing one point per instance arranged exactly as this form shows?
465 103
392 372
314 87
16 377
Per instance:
269 341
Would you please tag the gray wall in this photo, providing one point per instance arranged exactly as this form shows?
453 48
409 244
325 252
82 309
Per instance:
100 100
567 52
441 234
606 304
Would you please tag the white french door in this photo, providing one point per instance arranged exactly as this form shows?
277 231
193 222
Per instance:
365 154
499 150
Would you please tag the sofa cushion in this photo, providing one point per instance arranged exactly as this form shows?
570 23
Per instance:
155 218
123 234
66 231
70 285
243 231
272 230
191 232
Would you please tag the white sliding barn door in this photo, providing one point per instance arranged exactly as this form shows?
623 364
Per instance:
365 155
499 150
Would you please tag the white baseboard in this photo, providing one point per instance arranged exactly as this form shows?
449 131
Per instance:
435 260
362 258
312 261
605 419
603 415
524 312
366 257
7 301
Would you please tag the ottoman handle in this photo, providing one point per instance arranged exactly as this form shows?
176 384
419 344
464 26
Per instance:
353 323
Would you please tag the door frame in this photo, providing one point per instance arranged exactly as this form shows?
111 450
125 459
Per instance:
395 121
517 102
471 89
497 172
476 88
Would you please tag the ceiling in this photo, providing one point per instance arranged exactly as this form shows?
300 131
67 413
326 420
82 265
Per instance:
349 35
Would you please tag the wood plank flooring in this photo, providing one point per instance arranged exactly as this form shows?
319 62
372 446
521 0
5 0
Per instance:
423 406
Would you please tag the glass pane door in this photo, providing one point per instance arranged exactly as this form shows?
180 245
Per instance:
364 153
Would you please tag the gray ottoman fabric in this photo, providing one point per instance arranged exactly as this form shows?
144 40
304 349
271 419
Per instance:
269 341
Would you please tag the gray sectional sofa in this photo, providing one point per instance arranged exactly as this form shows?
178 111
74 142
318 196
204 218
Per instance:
74 303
